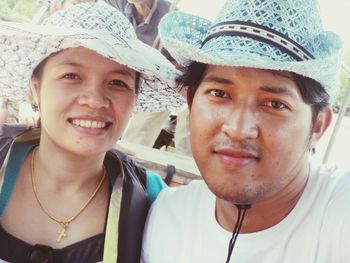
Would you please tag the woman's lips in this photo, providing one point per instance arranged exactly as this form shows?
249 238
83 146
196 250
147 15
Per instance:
90 125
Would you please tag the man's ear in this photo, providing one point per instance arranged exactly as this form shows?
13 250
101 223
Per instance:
322 123
189 99
189 103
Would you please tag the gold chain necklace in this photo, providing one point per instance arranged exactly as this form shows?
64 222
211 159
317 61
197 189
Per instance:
63 223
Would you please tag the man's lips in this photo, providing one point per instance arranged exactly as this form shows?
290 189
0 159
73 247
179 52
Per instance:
236 157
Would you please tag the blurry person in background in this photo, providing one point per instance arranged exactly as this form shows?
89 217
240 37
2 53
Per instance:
144 15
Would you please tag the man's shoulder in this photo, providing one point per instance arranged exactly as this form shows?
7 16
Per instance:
195 187
334 235
333 177
183 197
339 183
334 188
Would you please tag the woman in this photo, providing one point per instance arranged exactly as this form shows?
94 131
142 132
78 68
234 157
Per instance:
65 195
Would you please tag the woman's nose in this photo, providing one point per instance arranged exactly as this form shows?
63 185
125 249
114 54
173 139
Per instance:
94 99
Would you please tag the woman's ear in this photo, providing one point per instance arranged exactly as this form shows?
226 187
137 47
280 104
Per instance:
322 123
34 91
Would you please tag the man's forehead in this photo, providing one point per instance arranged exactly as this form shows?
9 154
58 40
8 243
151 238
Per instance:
224 69
222 75
284 73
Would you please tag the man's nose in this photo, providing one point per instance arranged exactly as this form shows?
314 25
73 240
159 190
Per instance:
241 123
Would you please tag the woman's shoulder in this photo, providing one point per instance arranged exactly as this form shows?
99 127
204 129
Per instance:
13 131
132 170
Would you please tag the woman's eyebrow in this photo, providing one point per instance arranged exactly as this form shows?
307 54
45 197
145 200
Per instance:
115 71
70 63
124 72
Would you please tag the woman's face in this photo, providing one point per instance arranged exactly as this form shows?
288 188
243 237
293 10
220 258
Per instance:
85 100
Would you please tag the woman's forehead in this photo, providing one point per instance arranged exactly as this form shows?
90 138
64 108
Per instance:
84 57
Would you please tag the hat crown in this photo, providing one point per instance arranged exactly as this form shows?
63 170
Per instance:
266 34
298 20
93 16
95 26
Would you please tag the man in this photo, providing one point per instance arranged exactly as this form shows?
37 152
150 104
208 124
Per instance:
144 15
259 87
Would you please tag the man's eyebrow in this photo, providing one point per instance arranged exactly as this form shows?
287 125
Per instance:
217 80
270 89
279 90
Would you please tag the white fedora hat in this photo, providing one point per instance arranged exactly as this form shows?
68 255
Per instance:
274 34
96 26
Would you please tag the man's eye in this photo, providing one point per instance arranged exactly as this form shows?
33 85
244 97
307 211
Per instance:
219 93
71 76
275 104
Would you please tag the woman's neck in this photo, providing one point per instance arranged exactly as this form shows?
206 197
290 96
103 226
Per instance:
65 170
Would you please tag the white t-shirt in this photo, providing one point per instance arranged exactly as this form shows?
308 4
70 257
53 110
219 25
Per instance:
181 227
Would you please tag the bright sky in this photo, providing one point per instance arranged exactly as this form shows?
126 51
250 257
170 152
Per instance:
335 14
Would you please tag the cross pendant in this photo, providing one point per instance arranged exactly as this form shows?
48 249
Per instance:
62 233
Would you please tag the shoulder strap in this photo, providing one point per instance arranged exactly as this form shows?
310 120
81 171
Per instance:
7 134
133 211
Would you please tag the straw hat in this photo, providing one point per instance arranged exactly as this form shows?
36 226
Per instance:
275 34
96 26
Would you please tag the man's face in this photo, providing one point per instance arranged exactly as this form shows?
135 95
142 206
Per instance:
250 132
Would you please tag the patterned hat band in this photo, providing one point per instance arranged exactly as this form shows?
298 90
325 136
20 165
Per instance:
259 33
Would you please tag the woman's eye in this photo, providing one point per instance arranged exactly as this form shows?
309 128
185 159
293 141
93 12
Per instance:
275 104
119 83
219 93
71 76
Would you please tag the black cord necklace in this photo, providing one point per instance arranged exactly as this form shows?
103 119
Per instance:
242 209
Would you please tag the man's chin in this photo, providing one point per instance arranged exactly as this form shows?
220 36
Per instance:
238 194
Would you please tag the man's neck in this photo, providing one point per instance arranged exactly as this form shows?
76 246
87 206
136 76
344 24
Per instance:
143 10
261 215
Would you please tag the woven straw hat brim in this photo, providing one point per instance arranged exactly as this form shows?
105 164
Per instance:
24 46
182 35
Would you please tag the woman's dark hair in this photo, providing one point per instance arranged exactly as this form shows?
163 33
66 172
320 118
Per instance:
38 72
312 92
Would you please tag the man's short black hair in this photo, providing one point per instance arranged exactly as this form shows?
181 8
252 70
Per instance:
312 92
